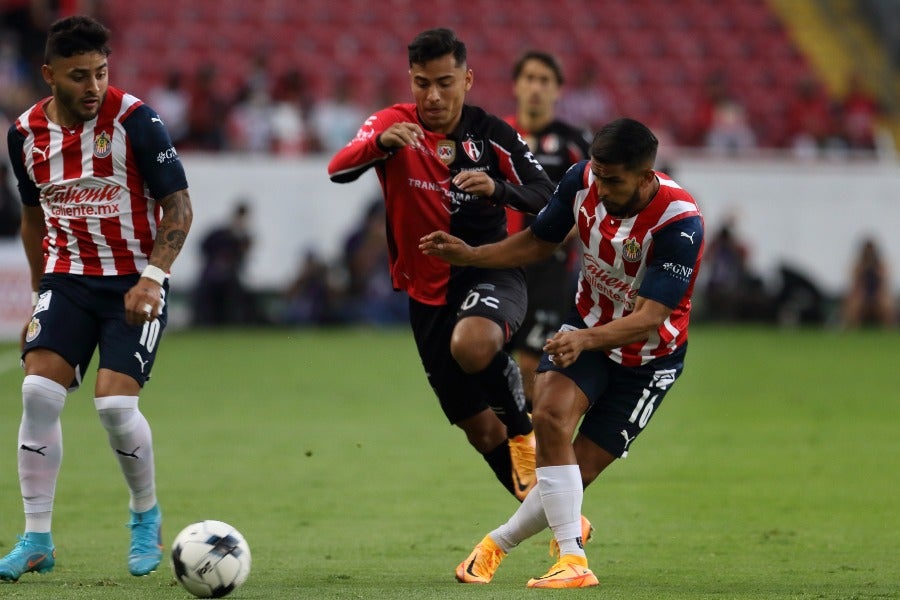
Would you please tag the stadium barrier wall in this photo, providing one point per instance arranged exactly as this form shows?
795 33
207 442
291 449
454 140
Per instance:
810 216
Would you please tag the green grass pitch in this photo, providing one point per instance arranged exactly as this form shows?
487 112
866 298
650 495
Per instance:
772 471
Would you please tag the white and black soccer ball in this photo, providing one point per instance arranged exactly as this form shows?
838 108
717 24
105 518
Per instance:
210 559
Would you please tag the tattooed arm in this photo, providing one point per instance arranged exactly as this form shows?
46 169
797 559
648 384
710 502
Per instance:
170 235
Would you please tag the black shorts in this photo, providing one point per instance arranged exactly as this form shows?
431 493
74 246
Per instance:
76 314
549 298
498 295
622 399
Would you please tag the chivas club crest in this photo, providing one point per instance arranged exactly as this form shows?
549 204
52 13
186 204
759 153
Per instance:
34 329
631 250
473 149
102 145
446 151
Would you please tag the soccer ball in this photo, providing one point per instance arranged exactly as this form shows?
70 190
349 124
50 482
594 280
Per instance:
210 559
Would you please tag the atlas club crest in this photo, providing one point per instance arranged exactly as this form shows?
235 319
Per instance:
473 149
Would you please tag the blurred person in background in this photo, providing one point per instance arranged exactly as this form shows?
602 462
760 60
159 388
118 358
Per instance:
313 298
291 133
621 347
859 114
221 297
172 102
557 145
89 159
811 124
10 206
370 297
869 299
336 118
721 123
444 164
731 290
589 104
207 113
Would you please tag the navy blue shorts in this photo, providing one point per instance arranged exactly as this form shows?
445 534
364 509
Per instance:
498 295
77 314
548 302
621 399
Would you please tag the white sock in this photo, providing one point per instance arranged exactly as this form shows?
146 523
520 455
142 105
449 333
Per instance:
561 494
528 520
40 449
131 439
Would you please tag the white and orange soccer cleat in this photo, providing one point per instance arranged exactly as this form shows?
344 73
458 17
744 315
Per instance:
570 571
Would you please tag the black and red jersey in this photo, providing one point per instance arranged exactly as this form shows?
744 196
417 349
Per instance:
420 196
557 147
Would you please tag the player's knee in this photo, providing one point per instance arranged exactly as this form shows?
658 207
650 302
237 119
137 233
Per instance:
474 348
471 359
548 421
42 398
118 414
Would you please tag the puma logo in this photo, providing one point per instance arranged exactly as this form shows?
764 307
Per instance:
35 450
39 152
583 210
132 454
143 362
628 440
690 237
156 120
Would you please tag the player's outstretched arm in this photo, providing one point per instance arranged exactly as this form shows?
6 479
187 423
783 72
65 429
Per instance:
520 249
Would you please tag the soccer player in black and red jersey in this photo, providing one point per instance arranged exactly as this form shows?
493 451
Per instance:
446 165
106 212
557 145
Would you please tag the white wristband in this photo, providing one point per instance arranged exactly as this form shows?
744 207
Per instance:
154 273
34 299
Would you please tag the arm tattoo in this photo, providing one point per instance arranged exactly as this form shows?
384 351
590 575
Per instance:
173 229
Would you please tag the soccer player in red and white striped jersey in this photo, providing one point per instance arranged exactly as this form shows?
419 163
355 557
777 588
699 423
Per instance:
106 212
619 351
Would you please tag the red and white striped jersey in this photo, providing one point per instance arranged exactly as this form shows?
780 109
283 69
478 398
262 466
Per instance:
655 254
97 183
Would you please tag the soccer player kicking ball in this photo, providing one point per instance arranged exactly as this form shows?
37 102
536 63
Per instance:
106 213
620 350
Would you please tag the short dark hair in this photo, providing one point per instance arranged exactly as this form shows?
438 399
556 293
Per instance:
546 58
625 142
435 43
76 35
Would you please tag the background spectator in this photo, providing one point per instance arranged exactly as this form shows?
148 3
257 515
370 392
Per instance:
172 102
370 296
587 103
336 118
10 205
731 292
868 300
221 297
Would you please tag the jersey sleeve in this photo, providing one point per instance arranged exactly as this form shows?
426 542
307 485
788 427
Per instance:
28 191
527 186
556 219
363 151
676 253
154 152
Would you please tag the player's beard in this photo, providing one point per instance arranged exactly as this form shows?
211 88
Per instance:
74 107
625 210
